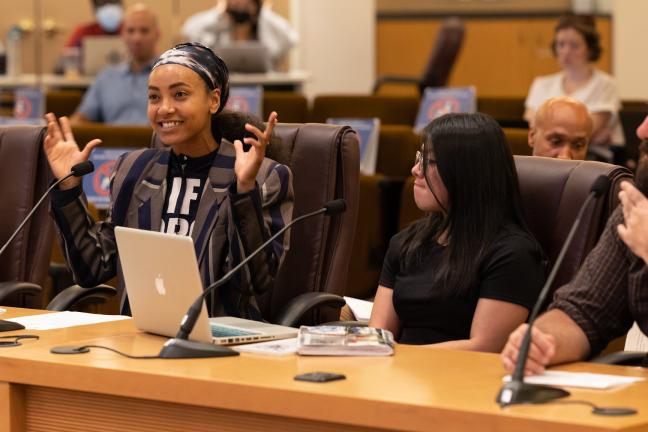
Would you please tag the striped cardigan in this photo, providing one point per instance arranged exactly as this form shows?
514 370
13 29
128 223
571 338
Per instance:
227 227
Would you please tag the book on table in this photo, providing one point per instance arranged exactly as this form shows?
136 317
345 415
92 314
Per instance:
344 341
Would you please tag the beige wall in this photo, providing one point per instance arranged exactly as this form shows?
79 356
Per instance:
337 44
629 48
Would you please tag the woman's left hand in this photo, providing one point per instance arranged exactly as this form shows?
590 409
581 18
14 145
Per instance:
247 163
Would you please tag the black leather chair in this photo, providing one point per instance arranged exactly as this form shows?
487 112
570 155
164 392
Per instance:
442 58
24 176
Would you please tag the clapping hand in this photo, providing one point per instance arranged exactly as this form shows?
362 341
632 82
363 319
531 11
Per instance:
634 230
62 150
247 163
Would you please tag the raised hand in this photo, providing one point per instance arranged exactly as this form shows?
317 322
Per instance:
247 163
634 230
62 150
542 350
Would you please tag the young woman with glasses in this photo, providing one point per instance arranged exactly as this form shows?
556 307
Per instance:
468 273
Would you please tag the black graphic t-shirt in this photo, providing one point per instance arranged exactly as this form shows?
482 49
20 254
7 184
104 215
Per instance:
186 180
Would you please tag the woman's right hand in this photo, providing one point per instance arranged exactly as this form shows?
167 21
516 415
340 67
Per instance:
62 150
542 350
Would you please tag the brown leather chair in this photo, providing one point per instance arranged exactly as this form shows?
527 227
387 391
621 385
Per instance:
518 141
553 191
389 109
442 58
631 116
378 209
63 102
24 175
325 164
291 107
397 145
508 111
113 136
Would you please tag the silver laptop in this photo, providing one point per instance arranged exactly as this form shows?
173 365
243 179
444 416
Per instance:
162 281
102 51
245 57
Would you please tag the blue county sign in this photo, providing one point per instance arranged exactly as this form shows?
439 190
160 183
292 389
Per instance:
96 185
437 101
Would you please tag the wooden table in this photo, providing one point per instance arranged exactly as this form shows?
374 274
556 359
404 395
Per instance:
418 389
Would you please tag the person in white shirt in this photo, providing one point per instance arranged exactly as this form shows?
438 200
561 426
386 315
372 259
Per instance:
576 47
242 20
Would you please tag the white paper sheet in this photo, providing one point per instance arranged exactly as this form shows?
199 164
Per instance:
636 340
282 347
579 379
63 319
361 308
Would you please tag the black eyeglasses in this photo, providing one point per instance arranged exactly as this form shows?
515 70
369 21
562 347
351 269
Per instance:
11 341
419 160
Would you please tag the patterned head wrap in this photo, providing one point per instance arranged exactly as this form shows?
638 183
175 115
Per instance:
202 60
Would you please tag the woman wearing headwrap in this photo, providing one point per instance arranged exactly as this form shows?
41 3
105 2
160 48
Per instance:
198 184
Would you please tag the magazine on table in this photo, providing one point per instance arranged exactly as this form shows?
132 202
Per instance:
344 341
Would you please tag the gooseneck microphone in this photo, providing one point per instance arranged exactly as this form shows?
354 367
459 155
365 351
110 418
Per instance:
78 170
180 346
517 391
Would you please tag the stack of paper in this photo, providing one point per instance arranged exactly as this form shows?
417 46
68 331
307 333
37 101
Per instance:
58 320
579 379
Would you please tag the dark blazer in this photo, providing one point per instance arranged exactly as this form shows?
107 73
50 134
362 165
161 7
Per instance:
225 223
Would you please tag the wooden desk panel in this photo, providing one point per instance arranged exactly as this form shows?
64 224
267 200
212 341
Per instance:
417 389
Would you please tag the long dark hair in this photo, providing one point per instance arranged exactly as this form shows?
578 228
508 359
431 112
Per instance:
478 171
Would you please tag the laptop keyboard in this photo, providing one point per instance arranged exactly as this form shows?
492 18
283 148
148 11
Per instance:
220 331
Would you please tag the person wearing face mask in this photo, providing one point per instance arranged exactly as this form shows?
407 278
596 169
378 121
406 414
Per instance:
576 47
468 273
607 294
242 20
108 20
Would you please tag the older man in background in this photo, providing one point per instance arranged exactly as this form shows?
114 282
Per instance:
606 295
562 129
118 95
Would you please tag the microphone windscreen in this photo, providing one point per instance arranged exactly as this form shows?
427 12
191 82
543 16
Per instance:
335 207
82 168
601 184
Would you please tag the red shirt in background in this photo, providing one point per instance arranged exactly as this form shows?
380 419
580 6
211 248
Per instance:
92 29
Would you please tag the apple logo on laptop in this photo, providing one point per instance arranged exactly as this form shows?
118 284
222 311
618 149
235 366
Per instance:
159 285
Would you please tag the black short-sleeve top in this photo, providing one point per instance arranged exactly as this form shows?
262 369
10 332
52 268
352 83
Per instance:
512 270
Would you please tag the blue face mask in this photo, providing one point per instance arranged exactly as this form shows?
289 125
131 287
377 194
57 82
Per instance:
109 17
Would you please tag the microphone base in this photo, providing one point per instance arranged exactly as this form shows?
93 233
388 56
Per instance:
182 348
10 326
519 392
